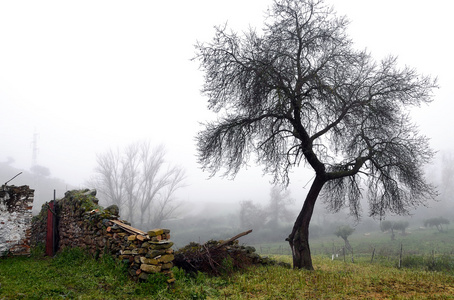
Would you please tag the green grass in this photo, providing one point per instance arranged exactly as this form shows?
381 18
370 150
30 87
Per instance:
74 275
416 242
71 274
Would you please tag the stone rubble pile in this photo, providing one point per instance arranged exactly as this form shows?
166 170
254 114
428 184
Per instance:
83 223
147 254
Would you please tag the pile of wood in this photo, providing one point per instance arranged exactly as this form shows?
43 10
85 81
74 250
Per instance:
218 257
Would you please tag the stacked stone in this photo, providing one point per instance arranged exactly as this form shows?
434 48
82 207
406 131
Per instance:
148 254
16 205
83 223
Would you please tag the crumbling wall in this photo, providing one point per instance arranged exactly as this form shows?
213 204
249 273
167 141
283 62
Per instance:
16 205
83 223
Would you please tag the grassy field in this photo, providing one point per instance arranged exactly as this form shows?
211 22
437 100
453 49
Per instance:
73 275
416 242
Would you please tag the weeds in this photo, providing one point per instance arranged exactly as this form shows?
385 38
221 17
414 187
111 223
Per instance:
73 274
443 263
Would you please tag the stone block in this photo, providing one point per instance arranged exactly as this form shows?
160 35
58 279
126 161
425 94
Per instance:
148 261
155 232
155 253
167 266
161 245
166 258
150 268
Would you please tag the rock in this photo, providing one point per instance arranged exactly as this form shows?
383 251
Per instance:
113 210
148 261
155 232
166 266
166 258
90 193
161 245
155 253
150 268
142 251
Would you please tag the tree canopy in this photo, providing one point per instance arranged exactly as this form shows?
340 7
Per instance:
437 222
298 92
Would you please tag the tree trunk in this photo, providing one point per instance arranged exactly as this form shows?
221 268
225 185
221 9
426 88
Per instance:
299 238
347 245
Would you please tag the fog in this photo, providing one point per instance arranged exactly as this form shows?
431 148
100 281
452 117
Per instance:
79 78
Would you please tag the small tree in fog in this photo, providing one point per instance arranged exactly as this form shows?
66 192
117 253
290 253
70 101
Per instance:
278 205
401 225
395 225
386 226
252 216
140 182
437 222
344 232
298 92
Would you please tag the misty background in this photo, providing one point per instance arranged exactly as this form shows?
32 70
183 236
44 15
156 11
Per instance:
80 78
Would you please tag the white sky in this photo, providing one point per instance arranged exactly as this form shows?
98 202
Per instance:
92 75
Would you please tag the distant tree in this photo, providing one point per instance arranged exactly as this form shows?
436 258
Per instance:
140 182
298 91
401 225
344 232
387 225
166 204
252 216
278 204
437 222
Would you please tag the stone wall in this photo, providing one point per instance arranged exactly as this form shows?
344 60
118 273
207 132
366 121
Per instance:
15 220
83 223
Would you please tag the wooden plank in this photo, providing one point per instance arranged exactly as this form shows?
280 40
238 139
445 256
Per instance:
129 228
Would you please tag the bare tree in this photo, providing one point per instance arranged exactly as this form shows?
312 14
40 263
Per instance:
140 182
166 204
109 180
298 92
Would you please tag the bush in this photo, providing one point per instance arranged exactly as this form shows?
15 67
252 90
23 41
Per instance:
429 263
